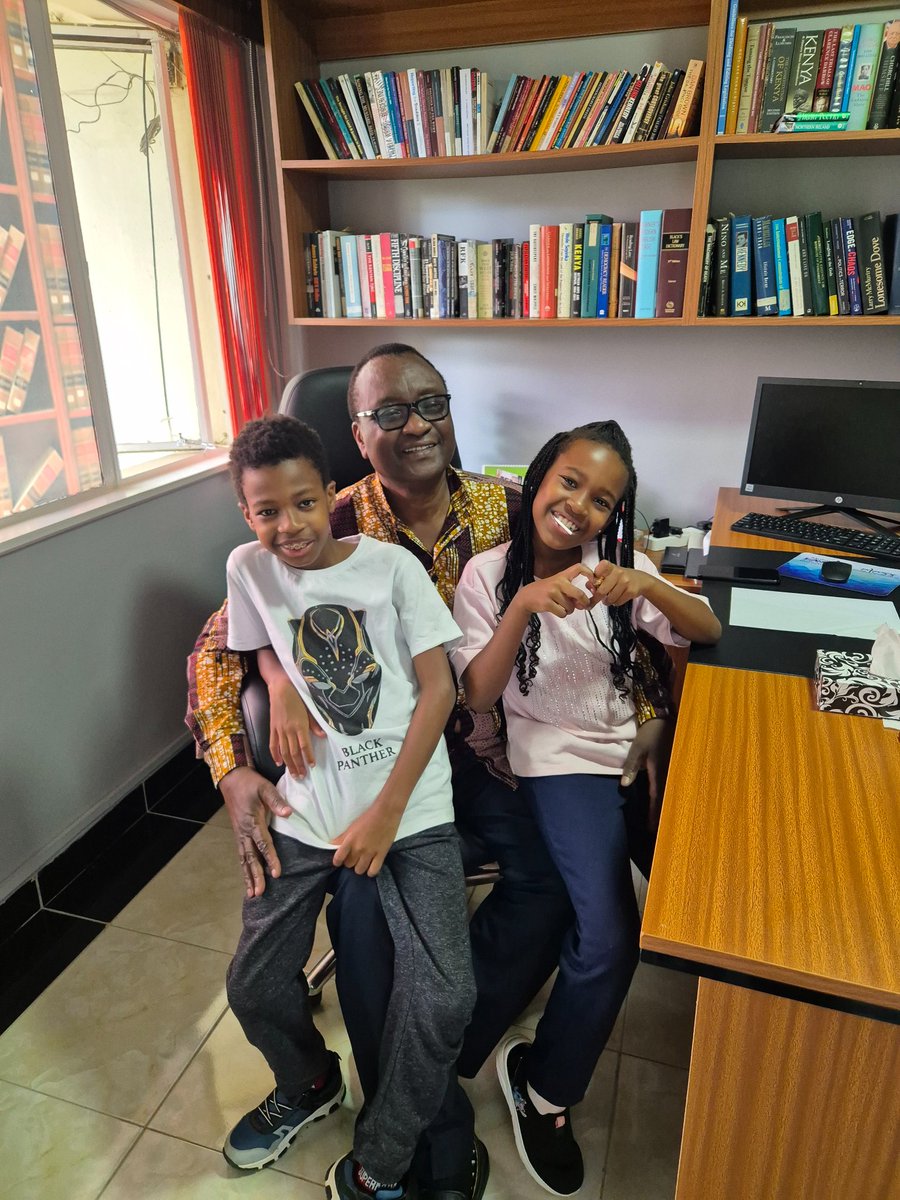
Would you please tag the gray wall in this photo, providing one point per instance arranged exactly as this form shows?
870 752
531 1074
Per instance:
96 624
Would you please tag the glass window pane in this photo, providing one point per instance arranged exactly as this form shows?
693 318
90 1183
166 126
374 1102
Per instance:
48 448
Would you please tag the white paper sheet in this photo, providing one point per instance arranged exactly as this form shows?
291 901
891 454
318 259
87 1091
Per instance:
763 608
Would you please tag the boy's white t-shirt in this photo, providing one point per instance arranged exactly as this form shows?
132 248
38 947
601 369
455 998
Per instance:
346 635
573 721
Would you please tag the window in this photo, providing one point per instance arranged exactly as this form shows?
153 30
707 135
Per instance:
113 369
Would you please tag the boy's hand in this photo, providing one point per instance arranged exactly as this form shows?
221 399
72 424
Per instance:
249 798
290 726
558 594
364 844
617 585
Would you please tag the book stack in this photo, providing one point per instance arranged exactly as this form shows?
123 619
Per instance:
598 108
801 265
11 242
18 353
400 114
87 462
845 77
49 470
595 268
56 275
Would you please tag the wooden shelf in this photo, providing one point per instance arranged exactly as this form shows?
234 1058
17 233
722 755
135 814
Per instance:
797 322
861 144
26 418
18 316
539 162
496 322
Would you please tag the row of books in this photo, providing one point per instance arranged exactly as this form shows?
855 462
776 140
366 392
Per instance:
34 134
56 274
401 114
596 268
11 242
845 77
596 108
801 265
18 354
19 42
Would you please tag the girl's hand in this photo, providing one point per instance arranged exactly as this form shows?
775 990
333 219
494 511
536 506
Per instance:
290 727
617 585
558 594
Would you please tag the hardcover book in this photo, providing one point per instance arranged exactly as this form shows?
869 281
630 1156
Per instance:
842 61
628 268
854 292
604 271
805 269
9 361
873 277
892 261
863 78
886 79
675 236
737 71
775 92
782 271
24 368
741 279
818 275
745 95
709 246
792 236
825 77
727 61
723 266
840 267
648 263
762 67
804 71
764 268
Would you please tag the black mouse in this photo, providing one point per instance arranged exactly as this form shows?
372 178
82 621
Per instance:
835 570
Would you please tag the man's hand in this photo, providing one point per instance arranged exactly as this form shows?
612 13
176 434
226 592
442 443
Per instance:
290 726
650 751
249 799
364 844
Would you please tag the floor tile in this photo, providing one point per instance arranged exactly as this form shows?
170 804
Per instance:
195 898
228 1077
35 955
221 820
115 878
659 1018
163 1168
103 834
590 1121
52 1150
643 1150
18 908
115 1030
193 797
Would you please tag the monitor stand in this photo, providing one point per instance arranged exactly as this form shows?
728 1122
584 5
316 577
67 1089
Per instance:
870 520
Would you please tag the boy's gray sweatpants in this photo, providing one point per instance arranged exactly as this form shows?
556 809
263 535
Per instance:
423 897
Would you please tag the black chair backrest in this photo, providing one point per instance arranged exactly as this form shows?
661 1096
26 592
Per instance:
320 399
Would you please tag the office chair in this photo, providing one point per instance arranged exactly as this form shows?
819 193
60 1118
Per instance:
320 399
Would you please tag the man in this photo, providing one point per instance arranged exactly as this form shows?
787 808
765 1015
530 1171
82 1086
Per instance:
399 407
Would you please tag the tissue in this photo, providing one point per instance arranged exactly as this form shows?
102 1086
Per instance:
886 653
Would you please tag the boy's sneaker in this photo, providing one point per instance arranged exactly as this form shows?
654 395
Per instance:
546 1146
472 1189
264 1134
348 1181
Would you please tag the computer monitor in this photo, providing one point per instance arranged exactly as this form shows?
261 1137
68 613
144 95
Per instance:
834 443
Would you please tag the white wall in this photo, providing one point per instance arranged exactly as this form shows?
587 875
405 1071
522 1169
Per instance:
97 623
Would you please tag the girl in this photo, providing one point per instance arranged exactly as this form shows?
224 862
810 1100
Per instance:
549 623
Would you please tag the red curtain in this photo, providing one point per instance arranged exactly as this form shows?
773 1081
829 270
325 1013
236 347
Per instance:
217 69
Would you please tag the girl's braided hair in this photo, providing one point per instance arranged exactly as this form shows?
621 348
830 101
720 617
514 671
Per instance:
520 555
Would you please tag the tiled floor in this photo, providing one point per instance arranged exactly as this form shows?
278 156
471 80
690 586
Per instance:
124 1075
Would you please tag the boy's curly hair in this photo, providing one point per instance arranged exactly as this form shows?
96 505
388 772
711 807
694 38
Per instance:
272 440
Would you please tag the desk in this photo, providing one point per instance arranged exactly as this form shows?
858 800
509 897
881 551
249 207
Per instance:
776 880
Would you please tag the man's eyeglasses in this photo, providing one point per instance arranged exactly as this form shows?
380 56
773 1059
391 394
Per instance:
395 416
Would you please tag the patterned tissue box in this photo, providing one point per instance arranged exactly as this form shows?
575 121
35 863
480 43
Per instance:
845 684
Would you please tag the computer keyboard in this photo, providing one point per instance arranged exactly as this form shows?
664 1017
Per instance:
831 537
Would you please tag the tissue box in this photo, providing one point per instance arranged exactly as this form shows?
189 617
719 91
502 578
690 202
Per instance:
845 684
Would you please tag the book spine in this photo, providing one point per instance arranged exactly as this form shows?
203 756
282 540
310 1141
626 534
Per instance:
9 361
387 277
873 278
854 293
634 95
526 281
573 112
637 116
842 61
764 268
840 267
385 117
792 234
603 271
350 270
588 120
345 83
818 271
740 267
311 111
564 279
667 99
549 270
628 268
577 268
861 89
892 262
501 115
687 110
397 275
804 71
723 265
675 238
851 68
362 99
462 253
615 254
825 77
782 271
805 266
485 295
41 481
709 246
335 100
590 268
555 123
515 281
886 79
406 276
730 34
759 82
15 240
777 77
745 95
610 113
648 263
830 276
737 75
534 265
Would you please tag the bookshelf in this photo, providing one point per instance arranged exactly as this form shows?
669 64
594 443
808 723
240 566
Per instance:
301 35
50 423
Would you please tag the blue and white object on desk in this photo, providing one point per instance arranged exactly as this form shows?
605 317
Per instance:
648 262
863 577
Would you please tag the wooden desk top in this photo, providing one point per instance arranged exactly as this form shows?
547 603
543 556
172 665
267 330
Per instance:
778 848
731 505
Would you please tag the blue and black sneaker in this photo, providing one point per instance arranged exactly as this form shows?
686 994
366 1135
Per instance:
264 1134
347 1180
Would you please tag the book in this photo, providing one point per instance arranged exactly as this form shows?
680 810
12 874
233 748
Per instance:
628 268
792 236
737 75
675 236
686 114
72 367
842 61
564 275
654 101
40 483
27 357
759 83
10 349
778 71
667 102
872 273
484 259
363 258
6 504
722 266
604 271
706 272
727 61
741 279
815 237
766 289
804 71
9 260
851 68
590 267
648 263
350 273
886 78
634 94
840 267
892 262
534 272
615 253
577 263
830 274
805 269
317 120
651 86
863 78
854 292
526 280
782 273
748 78
549 270
825 78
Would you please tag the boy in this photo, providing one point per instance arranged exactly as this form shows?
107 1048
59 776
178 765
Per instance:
357 629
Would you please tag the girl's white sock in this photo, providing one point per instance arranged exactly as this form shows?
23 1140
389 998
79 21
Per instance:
543 1106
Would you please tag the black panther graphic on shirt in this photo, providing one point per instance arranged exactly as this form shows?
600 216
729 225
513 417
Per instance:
334 655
